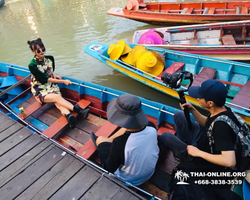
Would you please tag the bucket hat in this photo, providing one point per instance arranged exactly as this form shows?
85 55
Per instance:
119 49
151 37
151 63
126 111
134 54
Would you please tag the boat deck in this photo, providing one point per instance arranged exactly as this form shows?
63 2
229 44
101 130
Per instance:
34 168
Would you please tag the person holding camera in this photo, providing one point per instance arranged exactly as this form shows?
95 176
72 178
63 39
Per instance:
198 149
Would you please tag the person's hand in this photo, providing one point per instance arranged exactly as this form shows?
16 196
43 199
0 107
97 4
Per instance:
58 76
193 151
190 107
67 82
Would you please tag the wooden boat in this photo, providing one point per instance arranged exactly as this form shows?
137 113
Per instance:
234 74
227 40
2 2
183 12
48 121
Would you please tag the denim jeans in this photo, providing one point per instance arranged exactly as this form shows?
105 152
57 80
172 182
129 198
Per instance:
178 143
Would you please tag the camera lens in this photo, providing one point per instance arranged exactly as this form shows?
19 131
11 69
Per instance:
166 78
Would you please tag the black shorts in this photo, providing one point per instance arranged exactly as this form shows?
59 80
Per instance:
104 151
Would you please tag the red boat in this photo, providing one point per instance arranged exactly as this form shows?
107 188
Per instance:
183 12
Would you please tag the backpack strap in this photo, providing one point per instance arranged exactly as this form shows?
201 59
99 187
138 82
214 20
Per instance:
223 118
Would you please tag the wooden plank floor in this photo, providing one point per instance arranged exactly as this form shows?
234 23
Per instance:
34 168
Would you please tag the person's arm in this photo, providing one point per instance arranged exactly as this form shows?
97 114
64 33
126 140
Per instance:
226 158
201 119
224 142
44 78
116 156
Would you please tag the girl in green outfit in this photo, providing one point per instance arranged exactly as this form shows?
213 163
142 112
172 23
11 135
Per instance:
44 83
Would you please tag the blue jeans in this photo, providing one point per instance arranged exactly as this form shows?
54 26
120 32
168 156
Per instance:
178 143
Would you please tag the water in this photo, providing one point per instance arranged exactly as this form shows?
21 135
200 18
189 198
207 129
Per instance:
66 27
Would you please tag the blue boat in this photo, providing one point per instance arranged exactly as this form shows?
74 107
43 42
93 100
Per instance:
2 2
234 74
47 120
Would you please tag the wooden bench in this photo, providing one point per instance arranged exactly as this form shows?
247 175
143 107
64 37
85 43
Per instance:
62 121
89 148
244 10
211 11
243 96
238 10
187 11
205 12
228 39
184 11
205 74
31 109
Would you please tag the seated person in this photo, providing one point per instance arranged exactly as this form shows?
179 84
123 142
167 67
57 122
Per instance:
44 83
132 152
206 150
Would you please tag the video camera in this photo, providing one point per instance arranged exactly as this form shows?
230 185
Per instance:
174 80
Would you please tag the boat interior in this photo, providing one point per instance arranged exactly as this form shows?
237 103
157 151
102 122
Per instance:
217 35
194 8
235 75
50 122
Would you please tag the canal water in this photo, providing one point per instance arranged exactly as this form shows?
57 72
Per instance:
66 27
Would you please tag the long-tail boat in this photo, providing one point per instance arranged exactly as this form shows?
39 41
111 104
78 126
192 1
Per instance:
47 121
235 75
227 40
183 12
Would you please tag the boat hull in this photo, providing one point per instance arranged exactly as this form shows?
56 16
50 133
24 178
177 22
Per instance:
174 13
99 53
207 39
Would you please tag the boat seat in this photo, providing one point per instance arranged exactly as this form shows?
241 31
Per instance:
89 148
31 109
243 96
184 11
205 74
238 10
176 66
228 39
244 10
211 11
62 121
205 12
187 11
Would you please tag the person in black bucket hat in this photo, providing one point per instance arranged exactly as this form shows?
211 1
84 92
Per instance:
205 148
132 152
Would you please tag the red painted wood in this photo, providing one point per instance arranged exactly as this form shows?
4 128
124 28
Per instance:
244 10
62 121
211 11
173 68
89 148
189 11
31 109
70 143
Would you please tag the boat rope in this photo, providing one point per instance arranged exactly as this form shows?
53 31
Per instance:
78 156
247 109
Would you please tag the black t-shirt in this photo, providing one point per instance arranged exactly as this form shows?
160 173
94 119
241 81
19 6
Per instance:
224 140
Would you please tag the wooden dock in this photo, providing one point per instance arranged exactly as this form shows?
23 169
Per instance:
34 168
